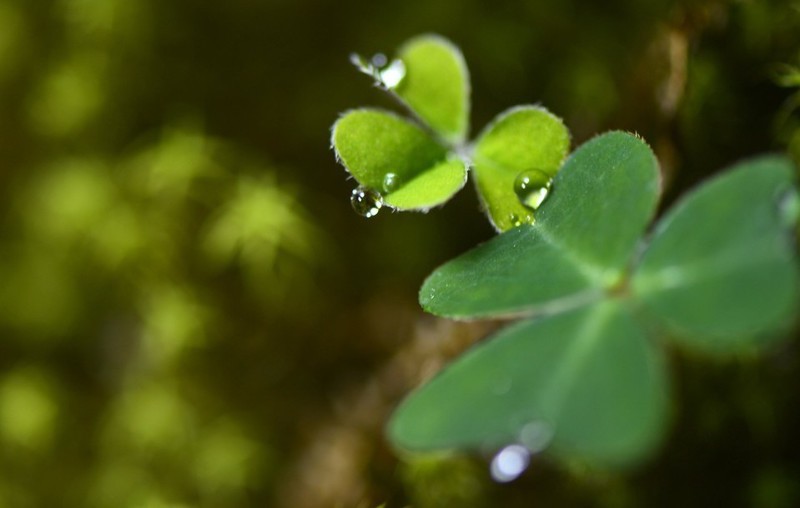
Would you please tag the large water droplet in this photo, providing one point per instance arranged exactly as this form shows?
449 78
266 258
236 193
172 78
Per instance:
366 202
532 187
509 463
391 182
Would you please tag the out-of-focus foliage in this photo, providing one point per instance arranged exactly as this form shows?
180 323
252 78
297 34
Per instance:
115 258
788 120
164 343
129 252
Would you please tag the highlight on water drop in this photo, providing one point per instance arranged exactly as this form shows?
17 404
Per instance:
532 187
392 74
386 74
391 182
366 202
509 463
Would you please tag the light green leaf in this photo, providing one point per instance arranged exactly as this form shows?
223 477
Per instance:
374 145
426 190
583 239
590 376
721 268
520 139
436 85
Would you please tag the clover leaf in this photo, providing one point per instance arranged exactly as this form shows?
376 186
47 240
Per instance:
580 244
522 140
719 272
421 162
436 85
723 282
590 376
582 373
386 152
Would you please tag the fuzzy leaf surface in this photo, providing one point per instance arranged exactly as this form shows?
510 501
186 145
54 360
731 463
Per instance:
519 139
721 269
373 143
582 241
590 375
517 273
436 85
602 200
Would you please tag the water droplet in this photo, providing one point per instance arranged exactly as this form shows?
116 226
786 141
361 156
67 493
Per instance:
536 435
391 182
379 60
366 202
532 187
518 220
509 463
393 74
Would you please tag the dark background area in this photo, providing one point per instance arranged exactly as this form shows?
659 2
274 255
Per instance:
192 315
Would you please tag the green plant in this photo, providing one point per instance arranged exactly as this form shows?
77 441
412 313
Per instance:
582 372
416 164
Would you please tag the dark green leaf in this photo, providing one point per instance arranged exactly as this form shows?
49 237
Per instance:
518 272
602 200
583 239
721 268
590 375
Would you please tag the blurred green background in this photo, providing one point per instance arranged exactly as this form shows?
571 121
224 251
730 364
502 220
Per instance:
192 315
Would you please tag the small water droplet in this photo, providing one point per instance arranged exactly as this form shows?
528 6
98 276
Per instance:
532 187
366 202
379 60
393 74
509 463
536 435
518 220
391 182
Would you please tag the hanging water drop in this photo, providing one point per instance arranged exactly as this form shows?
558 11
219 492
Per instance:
391 182
509 463
531 187
366 202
